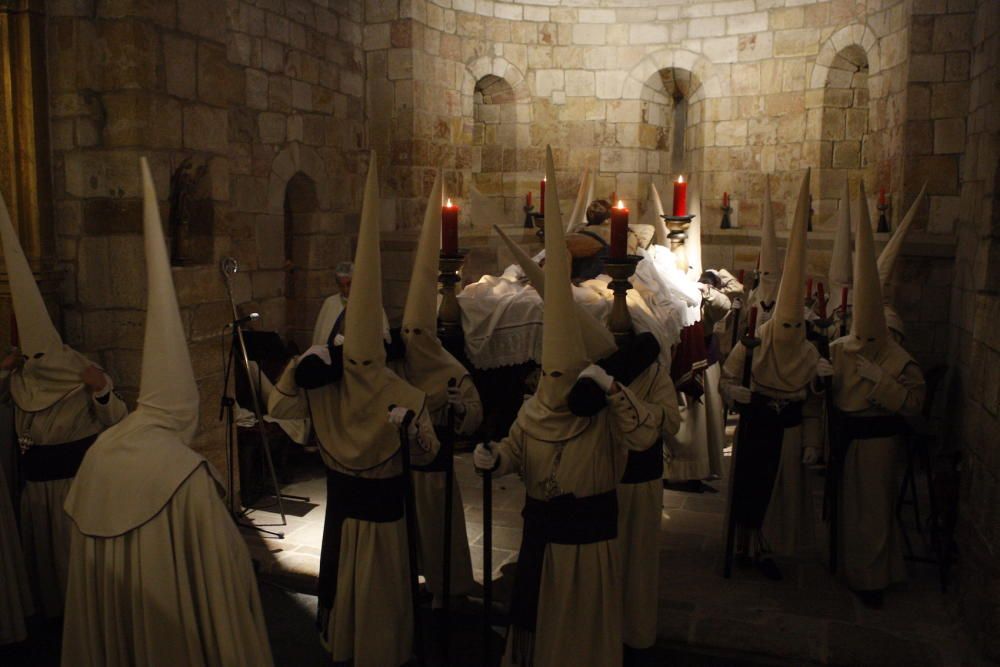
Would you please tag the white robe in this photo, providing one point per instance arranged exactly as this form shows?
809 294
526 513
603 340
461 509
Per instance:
15 595
176 590
45 528
580 615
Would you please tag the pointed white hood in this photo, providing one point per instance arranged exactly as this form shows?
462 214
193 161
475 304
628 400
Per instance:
52 370
840 258
785 361
145 457
578 218
427 365
654 213
768 265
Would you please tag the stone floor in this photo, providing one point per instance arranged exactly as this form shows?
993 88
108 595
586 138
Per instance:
808 618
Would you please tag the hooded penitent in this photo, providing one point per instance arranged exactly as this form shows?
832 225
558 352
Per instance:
51 370
546 415
597 339
578 218
427 366
654 216
840 259
360 403
785 361
887 261
136 466
769 267
869 336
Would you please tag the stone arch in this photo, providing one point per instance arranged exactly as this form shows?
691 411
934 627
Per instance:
858 34
682 59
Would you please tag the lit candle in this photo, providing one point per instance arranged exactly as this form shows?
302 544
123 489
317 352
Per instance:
881 196
680 197
619 231
542 188
449 229
725 200
821 300
527 200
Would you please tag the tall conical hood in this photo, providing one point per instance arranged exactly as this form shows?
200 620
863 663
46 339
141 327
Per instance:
167 389
363 323
655 207
427 365
868 329
563 354
840 259
887 260
770 268
578 217
38 334
785 360
597 339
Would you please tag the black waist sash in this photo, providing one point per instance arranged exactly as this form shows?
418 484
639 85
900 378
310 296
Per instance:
46 463
564 519
351 497
758 440
644 466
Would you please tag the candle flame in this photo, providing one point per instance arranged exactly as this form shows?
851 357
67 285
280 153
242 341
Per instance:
449 204
545 179
680 179
621 204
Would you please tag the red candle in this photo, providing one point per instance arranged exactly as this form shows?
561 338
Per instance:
614 198
725 200
809 288
752 322
680 197
881 196
821 301
541 186
527 200
619 231
449 229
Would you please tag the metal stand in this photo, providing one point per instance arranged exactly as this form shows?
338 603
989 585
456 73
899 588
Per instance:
677 225
529 221
450 313
726 222
620 320
883 221
229 267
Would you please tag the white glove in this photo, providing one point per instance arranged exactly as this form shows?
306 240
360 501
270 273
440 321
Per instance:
338 340
396 417
810 455
321 351
598 375
824 368
869 370
483 457
739 394
455 400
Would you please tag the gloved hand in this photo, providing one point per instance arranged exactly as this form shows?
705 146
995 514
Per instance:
869 370
455 401
599 376
338 340
483 458
321 352
397 415
739 394
824 368
810 455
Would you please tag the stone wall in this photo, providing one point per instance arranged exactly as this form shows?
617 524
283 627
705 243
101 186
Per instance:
974 405
257 94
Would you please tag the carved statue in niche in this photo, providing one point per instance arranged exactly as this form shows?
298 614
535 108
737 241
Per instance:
183 208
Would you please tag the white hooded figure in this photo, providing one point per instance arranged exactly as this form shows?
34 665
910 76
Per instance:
887 262
159 574
452 402
365 610
61 403
875 384
771 438
841 270
640 492
566 608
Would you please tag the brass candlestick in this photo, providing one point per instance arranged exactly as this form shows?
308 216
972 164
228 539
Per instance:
677 226
726 222
528 216
620 270
450 313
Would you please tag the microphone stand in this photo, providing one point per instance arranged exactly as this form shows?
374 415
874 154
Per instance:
229 266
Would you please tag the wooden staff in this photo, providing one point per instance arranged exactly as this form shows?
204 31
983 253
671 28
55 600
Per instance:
831 494
411 536
487 565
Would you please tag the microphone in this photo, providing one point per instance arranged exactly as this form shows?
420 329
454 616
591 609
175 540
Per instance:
244 320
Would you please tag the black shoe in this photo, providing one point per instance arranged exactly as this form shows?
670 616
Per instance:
769 569
871 599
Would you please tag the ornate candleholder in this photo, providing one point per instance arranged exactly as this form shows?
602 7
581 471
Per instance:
538 222
449 313
677 226
883 221
620 270
529 221
726 222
